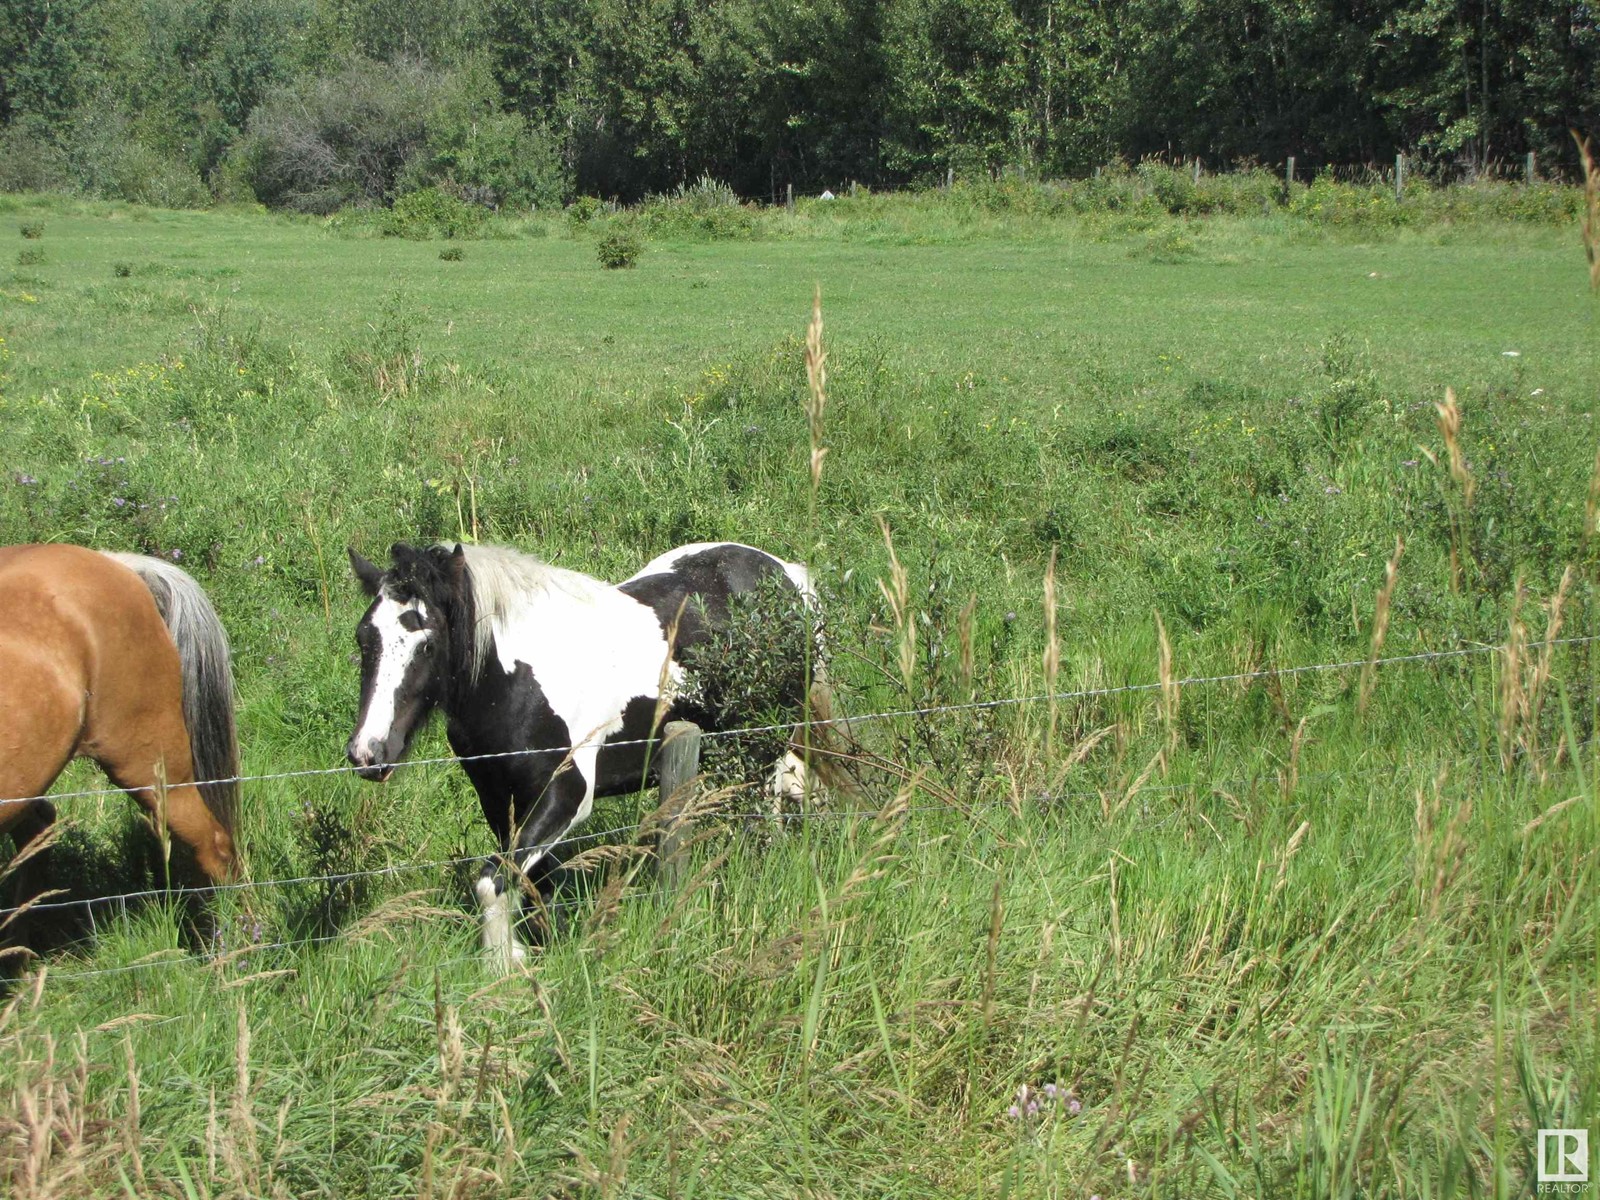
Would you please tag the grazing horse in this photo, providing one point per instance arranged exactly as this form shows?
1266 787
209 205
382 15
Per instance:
118 658
557 672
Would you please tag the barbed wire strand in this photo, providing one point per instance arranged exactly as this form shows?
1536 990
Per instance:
404 868
849 722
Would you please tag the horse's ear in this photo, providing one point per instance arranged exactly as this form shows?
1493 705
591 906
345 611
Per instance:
368 574
458 567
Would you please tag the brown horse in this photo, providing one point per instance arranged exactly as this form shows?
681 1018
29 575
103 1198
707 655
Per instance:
121 659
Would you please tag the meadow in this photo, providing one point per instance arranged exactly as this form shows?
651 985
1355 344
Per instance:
1322 933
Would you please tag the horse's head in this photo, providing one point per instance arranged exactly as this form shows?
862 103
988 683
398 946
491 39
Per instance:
405 639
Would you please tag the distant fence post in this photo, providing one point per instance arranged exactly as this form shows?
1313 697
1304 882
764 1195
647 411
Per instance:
1197 170
678 766
949 178
1399 178
1288 177
1528 169
788 201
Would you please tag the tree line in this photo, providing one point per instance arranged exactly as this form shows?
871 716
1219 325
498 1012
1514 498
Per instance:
314 104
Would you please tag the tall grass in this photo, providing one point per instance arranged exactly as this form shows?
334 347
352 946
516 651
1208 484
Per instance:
1325 934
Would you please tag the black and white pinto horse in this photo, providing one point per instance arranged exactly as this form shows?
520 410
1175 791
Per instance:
525 656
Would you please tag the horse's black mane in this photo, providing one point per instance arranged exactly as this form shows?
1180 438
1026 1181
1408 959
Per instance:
440 580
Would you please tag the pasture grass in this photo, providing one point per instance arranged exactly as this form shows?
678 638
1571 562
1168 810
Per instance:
1267 936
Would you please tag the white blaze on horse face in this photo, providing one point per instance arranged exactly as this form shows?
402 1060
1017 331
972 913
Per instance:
397 649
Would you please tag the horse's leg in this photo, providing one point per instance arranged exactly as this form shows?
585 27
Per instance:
41 717
546 807
32 873
135 753
493 889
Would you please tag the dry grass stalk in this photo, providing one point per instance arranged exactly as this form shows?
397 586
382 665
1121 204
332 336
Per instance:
1591 507
1525 677
1169 696
1513 697
1380 624
405 909
1450 429
1290 849
132 1137
897 592
612 1178
816 387
1591 209
996 919
1441 852
240 1150
1052 650
1289 776
968 657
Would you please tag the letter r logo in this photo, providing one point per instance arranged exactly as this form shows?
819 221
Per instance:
1563 1156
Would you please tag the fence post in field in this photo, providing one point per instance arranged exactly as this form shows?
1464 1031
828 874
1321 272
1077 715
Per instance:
1288 179
1197 170
1528 168
1399 177
678 765
949 178
788 201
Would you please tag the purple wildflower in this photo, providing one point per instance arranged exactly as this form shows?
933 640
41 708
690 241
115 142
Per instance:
26 480
176 555
118 502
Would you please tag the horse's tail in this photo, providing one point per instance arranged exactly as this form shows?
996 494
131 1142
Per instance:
207 679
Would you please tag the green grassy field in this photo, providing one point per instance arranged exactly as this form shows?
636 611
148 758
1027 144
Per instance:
1264 941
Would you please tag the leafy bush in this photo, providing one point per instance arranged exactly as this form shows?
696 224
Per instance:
452 254
619 247
108 159
705 208
30 160
322 142
498 159
751 672
31 229
432 212
30 256
584 209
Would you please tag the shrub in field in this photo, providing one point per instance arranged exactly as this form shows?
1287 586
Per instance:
584 209
752 672
30 158
432 212
452 254
619 247
32 230
705 208
121 269
326 141
30 256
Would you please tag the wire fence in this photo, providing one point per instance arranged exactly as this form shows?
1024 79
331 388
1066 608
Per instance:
851 722
333 879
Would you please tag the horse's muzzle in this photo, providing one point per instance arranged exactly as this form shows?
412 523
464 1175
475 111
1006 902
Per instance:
368 764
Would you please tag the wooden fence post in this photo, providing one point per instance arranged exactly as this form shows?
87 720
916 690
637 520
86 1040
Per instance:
1197 171
1399 178
678 767
1528 169
788 202
1288 177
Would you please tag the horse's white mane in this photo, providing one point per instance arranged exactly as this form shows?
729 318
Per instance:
506 582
